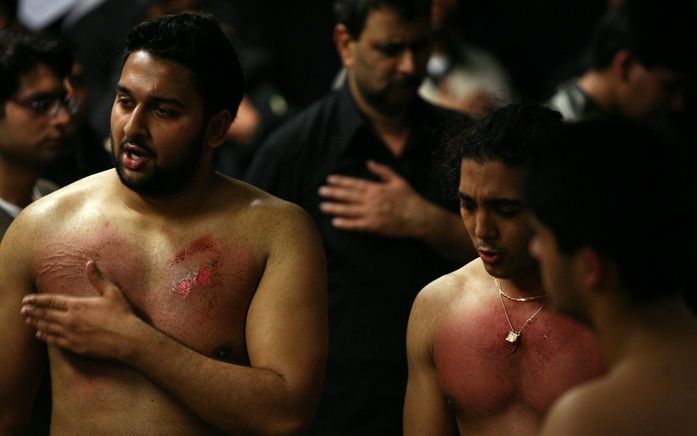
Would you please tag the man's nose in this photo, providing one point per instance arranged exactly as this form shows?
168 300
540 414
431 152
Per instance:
407 63
135 125
484 226
61 116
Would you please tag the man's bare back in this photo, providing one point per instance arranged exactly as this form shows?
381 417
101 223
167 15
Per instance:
489 388
650 391
192 278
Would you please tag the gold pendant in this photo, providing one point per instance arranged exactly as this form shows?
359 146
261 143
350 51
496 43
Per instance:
512 337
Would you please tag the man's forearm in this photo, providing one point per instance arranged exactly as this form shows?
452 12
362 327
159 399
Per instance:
235 398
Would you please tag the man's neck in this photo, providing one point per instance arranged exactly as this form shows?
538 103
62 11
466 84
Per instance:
187 202
393 129
626 328
597 84
17 184
523 285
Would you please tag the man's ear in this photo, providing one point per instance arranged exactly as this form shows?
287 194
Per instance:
216 131
622 63
590 268
345 45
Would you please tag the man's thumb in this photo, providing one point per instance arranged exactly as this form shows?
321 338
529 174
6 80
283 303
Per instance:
96 278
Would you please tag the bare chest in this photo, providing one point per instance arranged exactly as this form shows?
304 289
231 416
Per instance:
482 375
195 287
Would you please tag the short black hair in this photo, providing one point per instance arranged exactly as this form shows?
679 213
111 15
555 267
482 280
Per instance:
20 53
354 13
196 42
505 135
627 191
656 33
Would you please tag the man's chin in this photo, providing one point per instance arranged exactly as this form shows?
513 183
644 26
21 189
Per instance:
137 182
497 271
396 104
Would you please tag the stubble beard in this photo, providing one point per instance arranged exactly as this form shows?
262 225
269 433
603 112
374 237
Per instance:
384 100
160 182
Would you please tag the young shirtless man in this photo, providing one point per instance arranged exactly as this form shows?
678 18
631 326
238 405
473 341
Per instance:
486 355
629 293
174 301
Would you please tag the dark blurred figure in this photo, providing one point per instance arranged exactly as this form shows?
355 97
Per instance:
8 14
640 59
98 38
460 75
264 106
84 152
539 42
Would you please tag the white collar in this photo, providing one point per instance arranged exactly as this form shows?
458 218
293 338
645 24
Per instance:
12 209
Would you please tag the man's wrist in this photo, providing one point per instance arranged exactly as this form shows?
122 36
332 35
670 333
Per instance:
135 339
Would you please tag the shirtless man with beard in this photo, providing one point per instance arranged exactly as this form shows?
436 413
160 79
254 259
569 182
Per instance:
174 300
486 355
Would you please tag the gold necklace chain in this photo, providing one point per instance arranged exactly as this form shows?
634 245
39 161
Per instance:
513 334
519 299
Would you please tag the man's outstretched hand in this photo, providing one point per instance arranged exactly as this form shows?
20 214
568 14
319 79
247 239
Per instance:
94 326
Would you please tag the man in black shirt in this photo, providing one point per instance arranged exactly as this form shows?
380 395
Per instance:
360 162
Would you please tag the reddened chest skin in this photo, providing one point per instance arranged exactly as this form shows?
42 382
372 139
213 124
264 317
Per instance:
480 373
186 288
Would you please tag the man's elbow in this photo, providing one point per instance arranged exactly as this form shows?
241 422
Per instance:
291 425
279 424
297 418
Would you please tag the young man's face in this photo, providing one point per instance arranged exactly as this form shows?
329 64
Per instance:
35 121
388 61
496 217
157 126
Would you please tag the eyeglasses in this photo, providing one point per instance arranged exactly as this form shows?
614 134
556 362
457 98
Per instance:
46 104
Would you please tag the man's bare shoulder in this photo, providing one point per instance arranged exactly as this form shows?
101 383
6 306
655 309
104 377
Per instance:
268 211
74 193
55 207
624 403
447 290
584 410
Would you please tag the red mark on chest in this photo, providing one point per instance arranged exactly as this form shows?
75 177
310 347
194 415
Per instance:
197 265
201 245
203 278
183 287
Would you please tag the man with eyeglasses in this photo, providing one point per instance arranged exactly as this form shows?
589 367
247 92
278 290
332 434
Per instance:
33 117
33 126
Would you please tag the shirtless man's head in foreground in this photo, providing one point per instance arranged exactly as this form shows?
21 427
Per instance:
596 192
173 300
486 355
